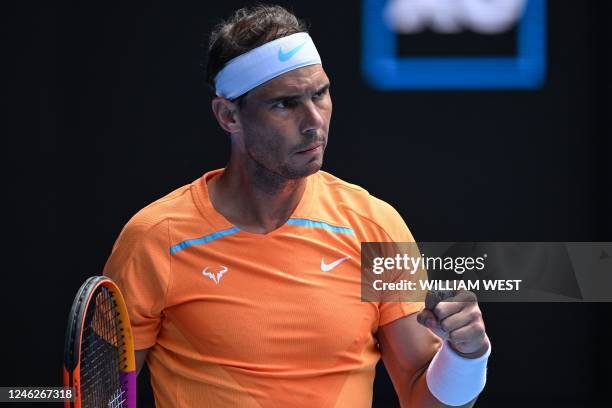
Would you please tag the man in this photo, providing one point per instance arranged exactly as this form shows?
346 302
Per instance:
244 286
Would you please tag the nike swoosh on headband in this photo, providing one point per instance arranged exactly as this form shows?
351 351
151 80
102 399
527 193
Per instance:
285 56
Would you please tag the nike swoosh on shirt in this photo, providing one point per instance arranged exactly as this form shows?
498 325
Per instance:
285 56
328 267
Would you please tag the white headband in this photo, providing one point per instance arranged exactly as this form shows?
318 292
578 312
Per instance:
263 63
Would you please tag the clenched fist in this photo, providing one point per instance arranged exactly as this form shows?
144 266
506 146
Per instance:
456 317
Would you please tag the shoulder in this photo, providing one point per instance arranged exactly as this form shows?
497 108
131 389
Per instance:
372 216
151 222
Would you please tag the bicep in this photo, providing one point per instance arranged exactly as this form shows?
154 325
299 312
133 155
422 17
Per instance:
407 349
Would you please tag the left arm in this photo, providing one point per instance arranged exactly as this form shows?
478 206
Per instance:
409 344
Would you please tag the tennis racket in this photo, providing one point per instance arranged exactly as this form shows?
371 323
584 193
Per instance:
99 350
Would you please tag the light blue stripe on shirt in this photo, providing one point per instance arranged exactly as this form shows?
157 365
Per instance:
203 240
302 222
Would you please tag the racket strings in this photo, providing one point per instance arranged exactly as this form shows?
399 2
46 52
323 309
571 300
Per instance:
120 396
102 354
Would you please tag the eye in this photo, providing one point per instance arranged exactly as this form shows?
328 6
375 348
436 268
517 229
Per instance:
320 94
285 104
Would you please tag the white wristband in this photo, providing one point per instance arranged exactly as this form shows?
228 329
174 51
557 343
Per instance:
456 380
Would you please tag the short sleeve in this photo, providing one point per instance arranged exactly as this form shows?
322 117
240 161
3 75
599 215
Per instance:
139 264
391 311
396 230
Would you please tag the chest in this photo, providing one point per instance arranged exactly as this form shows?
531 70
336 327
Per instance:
286 300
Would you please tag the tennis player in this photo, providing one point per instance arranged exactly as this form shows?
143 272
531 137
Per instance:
244 286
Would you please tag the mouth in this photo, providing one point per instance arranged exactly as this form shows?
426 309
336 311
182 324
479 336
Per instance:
311 148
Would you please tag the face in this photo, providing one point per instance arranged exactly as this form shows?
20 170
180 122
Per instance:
285 122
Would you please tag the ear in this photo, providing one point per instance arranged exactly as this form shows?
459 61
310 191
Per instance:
225 112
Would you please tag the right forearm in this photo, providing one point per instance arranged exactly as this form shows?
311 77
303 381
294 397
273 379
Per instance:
421 396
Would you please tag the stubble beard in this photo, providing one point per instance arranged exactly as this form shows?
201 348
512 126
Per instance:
271 178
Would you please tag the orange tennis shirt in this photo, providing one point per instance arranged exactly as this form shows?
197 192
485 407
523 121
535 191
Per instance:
241 319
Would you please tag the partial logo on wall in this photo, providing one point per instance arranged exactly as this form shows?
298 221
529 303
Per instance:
454 44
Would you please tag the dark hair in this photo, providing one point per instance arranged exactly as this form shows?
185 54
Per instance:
246 29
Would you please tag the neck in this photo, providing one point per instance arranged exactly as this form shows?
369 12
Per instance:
253 198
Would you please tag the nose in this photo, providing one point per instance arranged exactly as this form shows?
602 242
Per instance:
313 119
